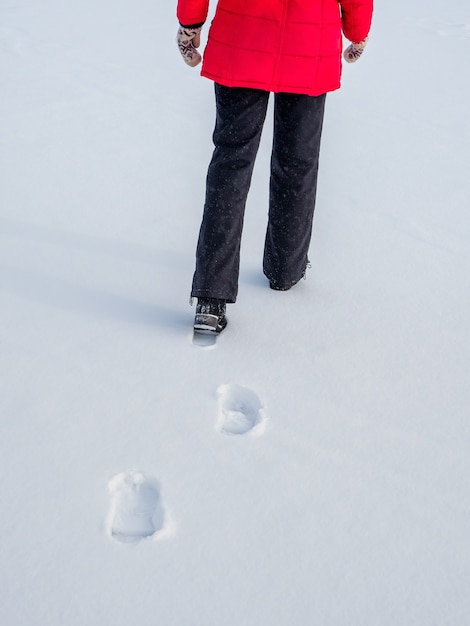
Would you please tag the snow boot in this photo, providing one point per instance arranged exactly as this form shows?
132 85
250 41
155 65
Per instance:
210 316
278 287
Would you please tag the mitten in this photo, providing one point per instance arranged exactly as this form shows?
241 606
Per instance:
188 39
354 51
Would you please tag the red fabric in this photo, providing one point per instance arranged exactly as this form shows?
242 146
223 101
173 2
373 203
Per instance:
278 45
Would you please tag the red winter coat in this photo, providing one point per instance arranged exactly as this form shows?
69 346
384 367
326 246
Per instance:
278 45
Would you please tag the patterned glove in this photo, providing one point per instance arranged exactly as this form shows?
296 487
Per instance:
354 51
188 39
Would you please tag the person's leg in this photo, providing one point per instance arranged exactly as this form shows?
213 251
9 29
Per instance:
240 117
298 123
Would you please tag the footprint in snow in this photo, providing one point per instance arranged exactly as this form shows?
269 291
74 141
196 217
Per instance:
136 510
240 411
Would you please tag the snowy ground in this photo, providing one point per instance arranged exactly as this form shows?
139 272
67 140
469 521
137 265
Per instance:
313 467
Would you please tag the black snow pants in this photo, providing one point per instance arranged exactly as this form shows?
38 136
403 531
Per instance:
240 115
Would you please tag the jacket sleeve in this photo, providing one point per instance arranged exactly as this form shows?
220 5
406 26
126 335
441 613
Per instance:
192 11
356 16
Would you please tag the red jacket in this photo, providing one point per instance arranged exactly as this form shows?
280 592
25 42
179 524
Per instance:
278 45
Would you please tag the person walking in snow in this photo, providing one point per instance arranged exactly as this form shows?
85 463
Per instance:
293 49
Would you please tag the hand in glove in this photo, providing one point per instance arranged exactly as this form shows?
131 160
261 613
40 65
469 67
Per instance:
354 51
188 39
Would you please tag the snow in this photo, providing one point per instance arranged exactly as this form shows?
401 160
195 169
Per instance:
313 465
136 510
240 411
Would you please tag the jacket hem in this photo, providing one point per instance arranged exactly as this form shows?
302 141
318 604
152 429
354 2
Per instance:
274 88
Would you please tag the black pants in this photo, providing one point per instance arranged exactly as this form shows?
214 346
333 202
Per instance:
240 117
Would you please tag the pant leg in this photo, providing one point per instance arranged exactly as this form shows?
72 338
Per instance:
298 121
240 116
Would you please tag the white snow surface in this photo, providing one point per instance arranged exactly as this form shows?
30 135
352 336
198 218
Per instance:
351 506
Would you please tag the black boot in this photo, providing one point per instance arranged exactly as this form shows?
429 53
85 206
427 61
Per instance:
277 287
210 315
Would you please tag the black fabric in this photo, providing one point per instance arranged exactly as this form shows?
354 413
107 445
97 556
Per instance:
240 115
200 25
